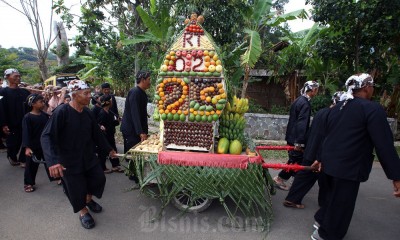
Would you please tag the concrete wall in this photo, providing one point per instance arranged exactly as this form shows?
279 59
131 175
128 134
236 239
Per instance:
259 126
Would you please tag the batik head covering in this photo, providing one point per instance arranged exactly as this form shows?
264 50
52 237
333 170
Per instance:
10 71
32 98
358 81
75 85
309 85
355 82
105 100
338 96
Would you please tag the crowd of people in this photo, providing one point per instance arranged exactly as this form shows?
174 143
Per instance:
53 128
56 127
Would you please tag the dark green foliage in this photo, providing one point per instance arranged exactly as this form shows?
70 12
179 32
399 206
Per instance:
319 102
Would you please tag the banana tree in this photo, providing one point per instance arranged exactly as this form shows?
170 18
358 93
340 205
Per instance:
159 23
258 19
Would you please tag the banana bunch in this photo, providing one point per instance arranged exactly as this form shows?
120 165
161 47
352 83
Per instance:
232 122
238 105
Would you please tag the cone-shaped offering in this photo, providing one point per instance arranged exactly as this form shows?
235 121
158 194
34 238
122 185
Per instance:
190 91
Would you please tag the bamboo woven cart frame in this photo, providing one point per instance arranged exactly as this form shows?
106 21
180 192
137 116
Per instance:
247 188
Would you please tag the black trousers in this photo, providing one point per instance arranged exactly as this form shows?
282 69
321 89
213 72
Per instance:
31 168
129 142
77 186
302 184
103 156
335 214
14 142
294 157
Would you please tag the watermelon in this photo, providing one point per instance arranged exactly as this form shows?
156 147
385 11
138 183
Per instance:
235 147
223 146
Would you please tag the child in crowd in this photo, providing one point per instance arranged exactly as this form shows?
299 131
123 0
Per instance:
33 124
67 98
108 121
96 104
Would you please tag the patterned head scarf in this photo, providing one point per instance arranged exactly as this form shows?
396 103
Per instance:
309 85
355 82
339 96
358 81
10 71
32 98
75 85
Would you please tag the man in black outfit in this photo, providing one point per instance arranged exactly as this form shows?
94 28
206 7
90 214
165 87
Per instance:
14 110
106 90
354 128
134 126
68 141
299 121
305 180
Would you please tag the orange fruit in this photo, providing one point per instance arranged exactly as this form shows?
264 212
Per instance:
212 112
219 85
179 112
166 111
212 89
212 62
202 92
195 112
173 111
191 110
207 64
161 102
218 112
207 58
202 97
205 53
174 79
161 111
201 113
208 99
207 113
180 100
186 112
161 94
215 57
221 90
185 87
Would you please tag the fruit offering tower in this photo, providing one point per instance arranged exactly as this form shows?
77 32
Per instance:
190 92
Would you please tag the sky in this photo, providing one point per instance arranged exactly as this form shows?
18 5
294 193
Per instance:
16 32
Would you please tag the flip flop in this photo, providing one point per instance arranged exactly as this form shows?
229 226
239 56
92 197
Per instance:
29 188
293 205
12 162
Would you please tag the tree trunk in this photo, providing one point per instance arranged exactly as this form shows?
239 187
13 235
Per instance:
42 67
245 81
62 49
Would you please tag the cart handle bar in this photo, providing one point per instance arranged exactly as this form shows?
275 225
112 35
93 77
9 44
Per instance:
288 167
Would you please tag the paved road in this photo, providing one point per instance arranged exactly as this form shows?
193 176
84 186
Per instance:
46 213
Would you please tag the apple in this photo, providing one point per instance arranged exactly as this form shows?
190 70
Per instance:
199 53
218 68
189 56
187 69
178 53
183 53
170 68
188 63
164 68
166 62
194 53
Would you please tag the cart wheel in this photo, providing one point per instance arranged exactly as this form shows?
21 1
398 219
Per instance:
182 201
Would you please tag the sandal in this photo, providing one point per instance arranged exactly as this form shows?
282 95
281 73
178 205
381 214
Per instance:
293 205
118 170
280 183
12 162
29 188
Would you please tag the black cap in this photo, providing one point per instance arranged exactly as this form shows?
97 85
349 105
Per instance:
105 85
